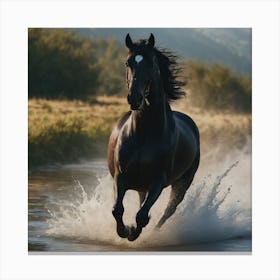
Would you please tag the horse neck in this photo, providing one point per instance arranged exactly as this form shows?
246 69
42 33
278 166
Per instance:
153 118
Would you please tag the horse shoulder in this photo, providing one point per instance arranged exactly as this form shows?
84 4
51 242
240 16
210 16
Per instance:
113 141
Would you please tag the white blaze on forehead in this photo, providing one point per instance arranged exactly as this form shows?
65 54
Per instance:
138 58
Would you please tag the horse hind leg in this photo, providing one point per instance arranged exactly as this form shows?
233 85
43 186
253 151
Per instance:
178 190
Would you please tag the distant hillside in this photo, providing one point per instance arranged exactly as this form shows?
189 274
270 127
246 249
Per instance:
228 46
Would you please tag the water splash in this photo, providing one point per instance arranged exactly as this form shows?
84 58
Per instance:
216 207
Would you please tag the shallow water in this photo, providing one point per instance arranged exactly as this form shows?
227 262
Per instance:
70 211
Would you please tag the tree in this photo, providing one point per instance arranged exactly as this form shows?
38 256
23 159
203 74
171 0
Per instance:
217 87
60 65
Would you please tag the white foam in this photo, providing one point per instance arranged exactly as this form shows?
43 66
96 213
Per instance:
216 207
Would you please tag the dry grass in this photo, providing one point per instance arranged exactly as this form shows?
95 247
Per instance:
95 118
63 131
226 129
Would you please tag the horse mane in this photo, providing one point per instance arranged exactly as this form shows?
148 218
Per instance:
170 71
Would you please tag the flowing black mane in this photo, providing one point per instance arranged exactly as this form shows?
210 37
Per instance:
169 70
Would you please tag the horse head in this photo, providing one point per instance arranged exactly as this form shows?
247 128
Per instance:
142 68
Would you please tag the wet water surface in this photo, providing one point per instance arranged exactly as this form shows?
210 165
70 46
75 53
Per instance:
69 210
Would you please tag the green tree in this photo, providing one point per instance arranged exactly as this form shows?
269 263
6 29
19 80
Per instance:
111 64
60 65
217 87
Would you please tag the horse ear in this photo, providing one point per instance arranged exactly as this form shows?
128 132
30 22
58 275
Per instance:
151 40
128 41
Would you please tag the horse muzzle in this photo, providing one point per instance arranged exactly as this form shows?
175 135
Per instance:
135 101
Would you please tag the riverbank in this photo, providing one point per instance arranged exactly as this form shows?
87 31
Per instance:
68 131
65 131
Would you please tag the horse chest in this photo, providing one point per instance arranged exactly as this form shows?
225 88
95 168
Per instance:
141 159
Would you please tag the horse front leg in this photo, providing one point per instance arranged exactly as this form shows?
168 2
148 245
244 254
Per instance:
118 209
142 217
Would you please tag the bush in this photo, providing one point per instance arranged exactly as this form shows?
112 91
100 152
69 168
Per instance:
65 131
62 141
217 87
64 66
110 61
60 65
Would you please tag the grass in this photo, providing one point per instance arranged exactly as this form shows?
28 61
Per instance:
223 130
66 131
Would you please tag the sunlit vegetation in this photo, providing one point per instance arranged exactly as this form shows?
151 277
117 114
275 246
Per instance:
63 131
217 87
223 131
66 131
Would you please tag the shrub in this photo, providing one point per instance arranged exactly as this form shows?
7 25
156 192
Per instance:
60 65
217 87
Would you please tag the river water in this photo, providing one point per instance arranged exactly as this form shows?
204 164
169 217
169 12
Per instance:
69 210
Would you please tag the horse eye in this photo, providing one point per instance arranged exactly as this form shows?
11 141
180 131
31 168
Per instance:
126 64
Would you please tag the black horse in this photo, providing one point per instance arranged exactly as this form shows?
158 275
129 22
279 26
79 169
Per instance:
152 146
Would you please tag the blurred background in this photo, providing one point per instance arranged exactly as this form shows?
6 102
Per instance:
77 87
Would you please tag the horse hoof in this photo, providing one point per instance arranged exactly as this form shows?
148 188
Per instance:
133 233
123 232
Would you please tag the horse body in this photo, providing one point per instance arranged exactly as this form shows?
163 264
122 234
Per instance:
142 157
152 146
